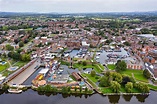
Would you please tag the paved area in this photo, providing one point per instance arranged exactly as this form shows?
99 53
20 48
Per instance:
25 74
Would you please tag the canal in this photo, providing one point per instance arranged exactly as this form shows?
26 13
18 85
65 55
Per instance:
32 97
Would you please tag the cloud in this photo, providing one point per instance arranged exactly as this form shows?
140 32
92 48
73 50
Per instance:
77 5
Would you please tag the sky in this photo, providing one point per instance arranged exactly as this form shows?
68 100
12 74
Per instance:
77 6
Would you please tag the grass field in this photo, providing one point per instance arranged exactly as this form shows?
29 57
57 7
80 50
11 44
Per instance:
6 73
28 29
106 90
20 64
152 87
138 74
4 67
95 67
52 35
94 79
111 66
90 79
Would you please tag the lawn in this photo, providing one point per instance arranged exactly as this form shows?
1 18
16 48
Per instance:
95 67
28 29
4 67
65 63
152 87
94 79
20 63
52 35
106 90
111 66
6 73
91 80
138 74
101 66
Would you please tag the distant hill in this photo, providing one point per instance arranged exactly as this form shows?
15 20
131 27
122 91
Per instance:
149 13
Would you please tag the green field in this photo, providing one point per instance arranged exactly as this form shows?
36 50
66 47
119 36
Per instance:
95 67
20 63
111 66
94 79
28 29
52 35
106 90
152 87
6 73
4 67
138 74
91 80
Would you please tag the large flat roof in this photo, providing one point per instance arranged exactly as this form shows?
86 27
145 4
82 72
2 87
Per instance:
44 71
146 35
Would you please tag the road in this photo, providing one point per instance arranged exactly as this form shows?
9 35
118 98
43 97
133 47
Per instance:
25 74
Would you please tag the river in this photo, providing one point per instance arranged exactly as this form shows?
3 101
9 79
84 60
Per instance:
32 97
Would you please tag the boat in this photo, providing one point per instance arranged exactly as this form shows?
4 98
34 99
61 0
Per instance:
14 91
61 70
97 57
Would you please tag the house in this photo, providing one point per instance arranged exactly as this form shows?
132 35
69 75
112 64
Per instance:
76 76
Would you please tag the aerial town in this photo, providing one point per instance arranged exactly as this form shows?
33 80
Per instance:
78 54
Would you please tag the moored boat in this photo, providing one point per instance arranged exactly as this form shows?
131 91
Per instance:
14 90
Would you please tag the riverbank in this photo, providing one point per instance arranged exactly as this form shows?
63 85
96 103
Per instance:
31 97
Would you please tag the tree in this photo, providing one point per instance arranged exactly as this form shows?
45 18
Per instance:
126 43
16 56
86 89
145 31
84 63
69 89
129 87
93 73
142 87
105 81
125 80
10 54
115 86
9 47
80 88
117 77
21 44
75 88
120 66
64 90
146 74
4 55
47 88
25 57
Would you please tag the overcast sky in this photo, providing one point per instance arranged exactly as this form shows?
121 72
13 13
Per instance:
77 6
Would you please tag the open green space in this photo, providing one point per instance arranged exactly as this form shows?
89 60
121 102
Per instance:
137 74
4 67
6 73
94 79
95 67
65 63
152 87
90 79
111 66
106 90
28 29
20 63
53 35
